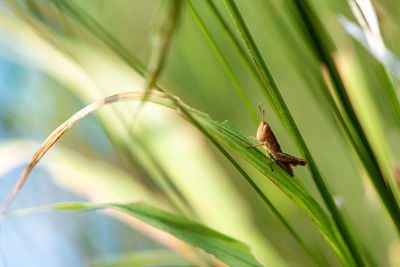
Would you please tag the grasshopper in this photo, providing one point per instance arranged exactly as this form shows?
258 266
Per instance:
267 139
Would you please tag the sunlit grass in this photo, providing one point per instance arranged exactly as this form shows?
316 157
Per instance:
346 101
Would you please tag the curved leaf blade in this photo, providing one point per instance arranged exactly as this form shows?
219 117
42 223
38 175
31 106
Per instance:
223 247
221 134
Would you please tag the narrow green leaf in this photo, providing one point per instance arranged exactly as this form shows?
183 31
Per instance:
248 105
224 63
71 9
95 28
161 47
225 134
220 134
225 248
320 40
349 251
367 110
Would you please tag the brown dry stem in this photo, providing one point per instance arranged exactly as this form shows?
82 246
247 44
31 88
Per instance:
57 133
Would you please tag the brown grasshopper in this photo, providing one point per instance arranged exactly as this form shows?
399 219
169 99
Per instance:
267 139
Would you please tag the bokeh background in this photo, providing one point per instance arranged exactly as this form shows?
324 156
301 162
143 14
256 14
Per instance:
51 66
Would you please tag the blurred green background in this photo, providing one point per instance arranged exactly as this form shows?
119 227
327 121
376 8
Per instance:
51 65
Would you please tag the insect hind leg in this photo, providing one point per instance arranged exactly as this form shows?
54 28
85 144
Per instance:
286 167
272 162
286 158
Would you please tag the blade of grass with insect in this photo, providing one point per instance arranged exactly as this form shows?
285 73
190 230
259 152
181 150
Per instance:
225 248
107 36
261 244
235 141
310 75
103 35
217 133
254 185
335 105
232 139
294 191
281 108
245 99
319 40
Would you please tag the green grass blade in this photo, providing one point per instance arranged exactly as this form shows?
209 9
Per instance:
236 44
319 40
156 64
334 238
311 75
254 115
161 48
213 137
220 134
225 248
241 51
274 95
95 28
161 181
103 35
226 154
172 193
275 211
226 134
224 63
371 121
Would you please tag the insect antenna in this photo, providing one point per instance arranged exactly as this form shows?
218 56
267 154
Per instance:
261 112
